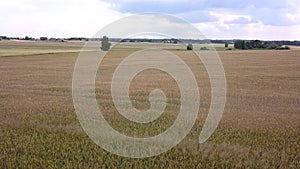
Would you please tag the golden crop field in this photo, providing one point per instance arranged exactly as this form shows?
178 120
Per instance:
260 127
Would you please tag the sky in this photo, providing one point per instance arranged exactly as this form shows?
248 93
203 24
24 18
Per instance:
216 19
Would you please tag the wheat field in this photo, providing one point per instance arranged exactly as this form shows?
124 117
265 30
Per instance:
39 129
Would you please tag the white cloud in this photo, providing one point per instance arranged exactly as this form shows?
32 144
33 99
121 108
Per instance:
164 25
228 17
144 1
256 30
294 17
270 19
56 18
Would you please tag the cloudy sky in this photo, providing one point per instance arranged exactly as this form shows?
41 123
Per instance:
216 19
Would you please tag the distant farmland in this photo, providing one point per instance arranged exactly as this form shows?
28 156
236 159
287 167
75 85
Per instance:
260 127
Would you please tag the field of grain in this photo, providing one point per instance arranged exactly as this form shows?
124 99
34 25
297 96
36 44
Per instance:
260 126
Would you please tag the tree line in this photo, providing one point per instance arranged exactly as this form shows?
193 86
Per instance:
257 44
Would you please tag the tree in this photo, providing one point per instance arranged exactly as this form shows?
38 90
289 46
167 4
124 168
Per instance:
43 38
27 38
243 45
247 45
105 45
257 44
239 44
189 46
226 45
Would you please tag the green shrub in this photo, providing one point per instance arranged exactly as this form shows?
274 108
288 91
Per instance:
189 46
203 48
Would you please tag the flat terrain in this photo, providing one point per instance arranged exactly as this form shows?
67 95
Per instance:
38 126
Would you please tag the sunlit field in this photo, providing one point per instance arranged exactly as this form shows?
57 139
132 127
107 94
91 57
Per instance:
260 127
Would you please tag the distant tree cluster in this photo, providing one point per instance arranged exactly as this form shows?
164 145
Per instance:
77 39
203 48
257 44
43 38
28 38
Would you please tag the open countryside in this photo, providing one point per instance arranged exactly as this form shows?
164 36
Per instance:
39 129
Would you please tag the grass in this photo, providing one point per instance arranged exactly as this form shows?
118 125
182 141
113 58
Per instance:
25 48
216 46
38 126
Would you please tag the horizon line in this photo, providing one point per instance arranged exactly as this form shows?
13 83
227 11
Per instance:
147 38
